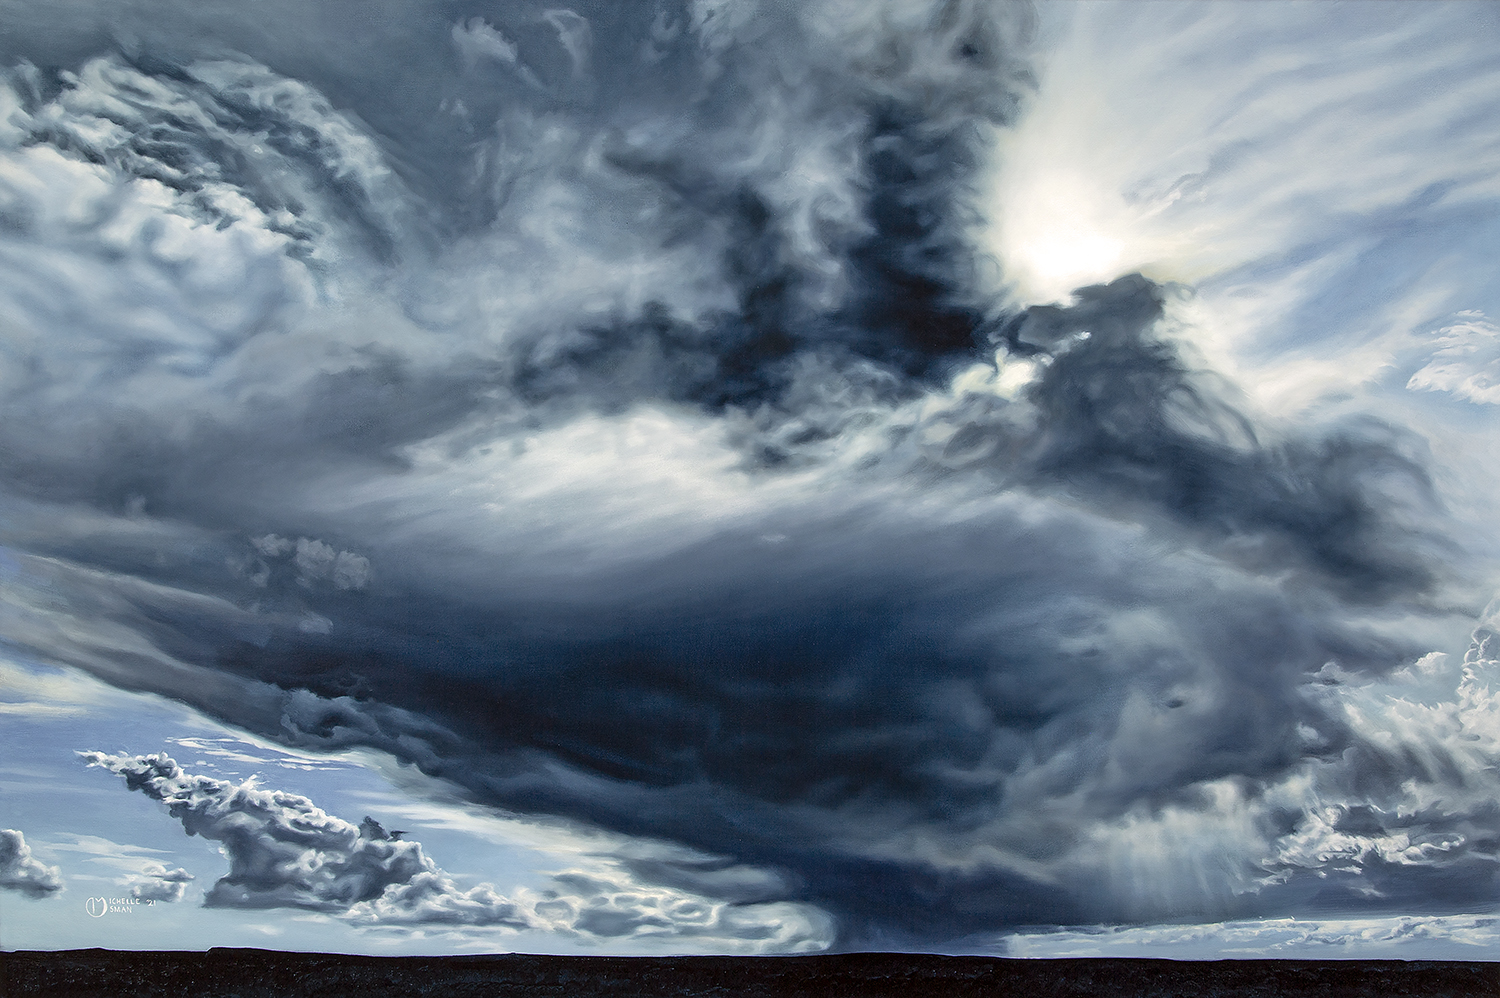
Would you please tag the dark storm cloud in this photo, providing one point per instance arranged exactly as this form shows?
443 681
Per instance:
21 871
1123 416
600 408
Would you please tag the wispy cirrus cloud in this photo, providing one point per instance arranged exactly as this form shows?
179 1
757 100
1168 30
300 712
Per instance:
1466 361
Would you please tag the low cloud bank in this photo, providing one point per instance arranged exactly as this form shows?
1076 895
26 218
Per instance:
285 852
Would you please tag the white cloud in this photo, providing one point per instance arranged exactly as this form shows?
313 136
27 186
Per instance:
273 546
238 749
20 871
284 851
136 868
574 34
1453 937
39 709
476 38
1466 362
157 883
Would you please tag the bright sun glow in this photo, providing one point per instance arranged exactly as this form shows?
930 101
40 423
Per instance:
1071 253
1089 184
1057 232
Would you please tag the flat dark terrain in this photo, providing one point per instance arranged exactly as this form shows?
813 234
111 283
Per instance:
250 973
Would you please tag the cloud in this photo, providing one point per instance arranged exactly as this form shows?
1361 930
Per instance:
649 445
313 561
285 852
20 871
157 883
1466 362
1457 937
141 874
644 909
1403 820
1156 143
225 752
477 37
1410 815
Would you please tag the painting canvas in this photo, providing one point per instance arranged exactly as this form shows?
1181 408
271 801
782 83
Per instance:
750 477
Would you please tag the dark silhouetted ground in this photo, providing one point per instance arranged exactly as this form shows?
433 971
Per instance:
249 973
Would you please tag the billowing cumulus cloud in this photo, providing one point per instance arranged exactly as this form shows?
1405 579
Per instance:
157 883
614 413
23 872
286 852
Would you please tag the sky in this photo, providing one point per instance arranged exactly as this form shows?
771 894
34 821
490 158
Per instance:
750 477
